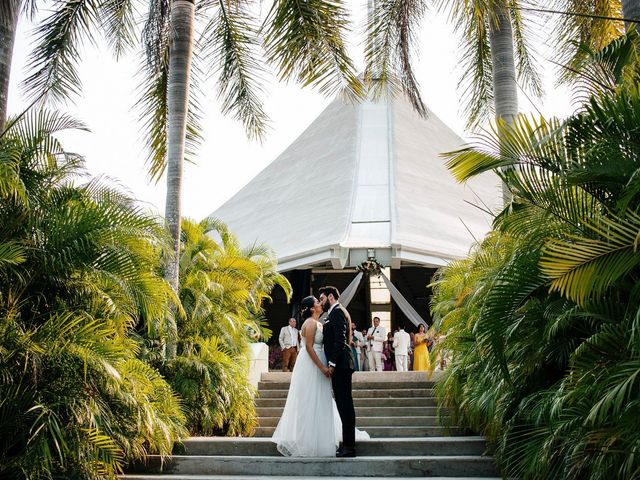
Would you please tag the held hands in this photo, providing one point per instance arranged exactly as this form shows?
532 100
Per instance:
327 371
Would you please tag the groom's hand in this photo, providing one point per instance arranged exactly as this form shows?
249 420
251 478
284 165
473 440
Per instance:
330 371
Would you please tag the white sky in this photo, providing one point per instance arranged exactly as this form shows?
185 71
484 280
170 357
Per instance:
227 160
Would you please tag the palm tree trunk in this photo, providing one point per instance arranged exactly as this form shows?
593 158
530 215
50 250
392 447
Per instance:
180 52
505 88
8 26
631 10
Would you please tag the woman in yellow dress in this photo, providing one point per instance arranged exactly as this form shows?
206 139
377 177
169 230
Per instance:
421 361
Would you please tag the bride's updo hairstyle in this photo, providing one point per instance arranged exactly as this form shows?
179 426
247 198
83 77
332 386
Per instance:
306 305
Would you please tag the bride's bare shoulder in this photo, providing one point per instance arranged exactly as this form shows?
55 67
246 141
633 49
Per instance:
309 323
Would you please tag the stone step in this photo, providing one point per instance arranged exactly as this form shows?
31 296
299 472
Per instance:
367 393
425 446
365 411
278 477
414 421
387 432
368 385
364 422
362 402
363 377
401 466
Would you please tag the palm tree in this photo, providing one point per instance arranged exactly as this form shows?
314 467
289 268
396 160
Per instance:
178 83
501 42
544 313
78 271
8 25
304 44
222 289
496 55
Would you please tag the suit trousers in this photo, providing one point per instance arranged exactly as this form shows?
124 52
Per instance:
289 356
402 364
375 361
341 383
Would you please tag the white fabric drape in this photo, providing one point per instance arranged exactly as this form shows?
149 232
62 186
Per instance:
405 306
348 293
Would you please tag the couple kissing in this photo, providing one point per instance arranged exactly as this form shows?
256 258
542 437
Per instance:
314 423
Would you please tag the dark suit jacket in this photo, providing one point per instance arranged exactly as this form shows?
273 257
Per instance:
335 333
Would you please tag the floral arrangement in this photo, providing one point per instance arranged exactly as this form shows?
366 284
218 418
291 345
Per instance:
370 266
275 357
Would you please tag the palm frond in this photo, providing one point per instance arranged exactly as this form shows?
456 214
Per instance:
118 20
579 34
603 71
11 254
581 268
305 41
390 41
476 83
56 55
230 42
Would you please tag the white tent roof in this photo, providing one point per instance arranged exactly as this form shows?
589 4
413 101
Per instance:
360 177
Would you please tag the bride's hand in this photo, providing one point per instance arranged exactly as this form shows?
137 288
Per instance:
326 371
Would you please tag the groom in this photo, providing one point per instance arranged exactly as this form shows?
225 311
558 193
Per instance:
337 338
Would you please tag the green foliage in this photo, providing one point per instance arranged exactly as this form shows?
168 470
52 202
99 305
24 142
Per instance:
542 317
83 312
77 272
578 35
222 290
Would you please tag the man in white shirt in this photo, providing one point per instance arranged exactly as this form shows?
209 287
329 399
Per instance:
289 341
376 335
401 341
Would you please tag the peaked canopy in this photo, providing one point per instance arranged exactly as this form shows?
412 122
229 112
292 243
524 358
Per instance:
364 179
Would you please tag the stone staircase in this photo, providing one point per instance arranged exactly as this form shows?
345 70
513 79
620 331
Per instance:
396 409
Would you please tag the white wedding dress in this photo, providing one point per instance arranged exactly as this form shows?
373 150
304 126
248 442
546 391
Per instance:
310 425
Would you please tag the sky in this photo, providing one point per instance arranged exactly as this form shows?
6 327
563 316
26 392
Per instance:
227 160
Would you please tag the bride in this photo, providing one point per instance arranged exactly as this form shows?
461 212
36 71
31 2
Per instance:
310 425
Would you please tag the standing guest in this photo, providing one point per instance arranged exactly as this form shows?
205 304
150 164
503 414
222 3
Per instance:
421 361
289 342
365 352
356 345
401 343
412 346
376 336
388 359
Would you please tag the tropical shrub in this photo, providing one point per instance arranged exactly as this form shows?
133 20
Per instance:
543 317
78 269
222 290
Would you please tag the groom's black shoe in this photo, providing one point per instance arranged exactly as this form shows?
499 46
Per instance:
346 452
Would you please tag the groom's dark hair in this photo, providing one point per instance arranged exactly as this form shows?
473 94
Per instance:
329 290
